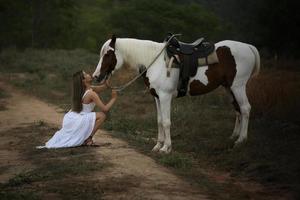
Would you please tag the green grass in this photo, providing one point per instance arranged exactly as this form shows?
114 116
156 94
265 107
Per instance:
9 195
45 73
176 160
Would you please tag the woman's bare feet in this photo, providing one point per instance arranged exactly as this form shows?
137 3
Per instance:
88 142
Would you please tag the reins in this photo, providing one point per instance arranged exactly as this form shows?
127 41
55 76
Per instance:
120 88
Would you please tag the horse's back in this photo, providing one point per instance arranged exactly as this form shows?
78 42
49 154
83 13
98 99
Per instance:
231 43
235 46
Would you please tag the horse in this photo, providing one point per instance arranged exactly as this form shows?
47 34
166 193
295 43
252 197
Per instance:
237 63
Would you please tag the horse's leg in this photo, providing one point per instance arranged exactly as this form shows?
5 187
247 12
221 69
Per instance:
161 134
242 100
165 105
237 126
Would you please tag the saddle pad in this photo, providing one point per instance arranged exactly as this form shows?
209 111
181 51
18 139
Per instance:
211 59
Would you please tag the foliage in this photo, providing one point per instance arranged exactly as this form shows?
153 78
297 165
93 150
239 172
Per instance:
279 26
270 25
36 23
153 19
88 23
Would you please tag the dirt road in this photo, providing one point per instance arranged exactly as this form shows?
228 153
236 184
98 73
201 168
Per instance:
151 181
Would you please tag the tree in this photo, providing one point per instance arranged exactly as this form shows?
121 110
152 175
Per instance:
154 19
37 23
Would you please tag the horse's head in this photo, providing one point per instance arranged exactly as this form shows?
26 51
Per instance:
110 60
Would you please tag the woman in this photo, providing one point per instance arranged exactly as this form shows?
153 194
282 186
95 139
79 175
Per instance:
81 123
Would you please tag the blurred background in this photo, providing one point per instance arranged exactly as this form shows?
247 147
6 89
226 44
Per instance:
42 42
67 24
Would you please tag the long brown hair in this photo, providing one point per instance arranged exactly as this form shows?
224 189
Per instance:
78 89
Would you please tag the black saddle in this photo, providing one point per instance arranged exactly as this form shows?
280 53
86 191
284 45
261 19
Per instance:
188 54
189 48
200 48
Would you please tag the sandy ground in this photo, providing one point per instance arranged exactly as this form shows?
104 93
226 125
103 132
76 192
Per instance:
151 181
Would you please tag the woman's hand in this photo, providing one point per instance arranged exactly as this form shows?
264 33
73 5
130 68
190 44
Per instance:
114 94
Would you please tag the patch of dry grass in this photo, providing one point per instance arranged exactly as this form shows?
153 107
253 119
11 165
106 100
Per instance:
275 93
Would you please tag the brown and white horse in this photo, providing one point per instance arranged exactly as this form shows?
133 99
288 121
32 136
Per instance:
237 63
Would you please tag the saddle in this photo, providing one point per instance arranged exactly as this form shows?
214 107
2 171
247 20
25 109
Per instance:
189 48
189 55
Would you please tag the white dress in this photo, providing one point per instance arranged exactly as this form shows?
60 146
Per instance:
76 128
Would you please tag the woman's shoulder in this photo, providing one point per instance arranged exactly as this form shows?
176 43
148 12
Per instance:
86 94
90 93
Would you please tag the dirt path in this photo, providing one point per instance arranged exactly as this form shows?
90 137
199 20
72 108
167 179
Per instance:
151 181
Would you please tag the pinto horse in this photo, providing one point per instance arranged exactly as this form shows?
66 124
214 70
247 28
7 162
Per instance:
237 63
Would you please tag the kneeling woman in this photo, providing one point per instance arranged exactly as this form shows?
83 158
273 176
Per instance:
81 123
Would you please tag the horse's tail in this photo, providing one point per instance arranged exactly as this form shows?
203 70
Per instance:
256 69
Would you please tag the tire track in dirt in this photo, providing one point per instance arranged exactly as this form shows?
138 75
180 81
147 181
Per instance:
147 179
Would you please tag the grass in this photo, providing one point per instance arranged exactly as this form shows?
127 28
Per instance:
18 196
45 73
176 160
201 126
204 144
275 93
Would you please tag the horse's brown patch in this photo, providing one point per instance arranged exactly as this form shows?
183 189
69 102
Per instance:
109 62
153 92
221 73
146 80
147 83
197 88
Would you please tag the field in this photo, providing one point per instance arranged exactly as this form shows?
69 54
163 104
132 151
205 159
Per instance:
201 126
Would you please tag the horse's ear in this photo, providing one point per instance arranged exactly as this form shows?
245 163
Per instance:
113 41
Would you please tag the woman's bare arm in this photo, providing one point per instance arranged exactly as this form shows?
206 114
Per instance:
99 88
100 104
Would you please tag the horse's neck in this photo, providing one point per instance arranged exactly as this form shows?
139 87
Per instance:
139 52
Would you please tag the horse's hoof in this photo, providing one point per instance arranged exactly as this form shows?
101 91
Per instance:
233 136
165 150
239 142
157 147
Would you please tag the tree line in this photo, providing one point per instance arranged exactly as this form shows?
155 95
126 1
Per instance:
69 24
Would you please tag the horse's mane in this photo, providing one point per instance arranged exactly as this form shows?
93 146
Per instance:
138 51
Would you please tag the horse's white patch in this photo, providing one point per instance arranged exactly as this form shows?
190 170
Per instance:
201 76
107 49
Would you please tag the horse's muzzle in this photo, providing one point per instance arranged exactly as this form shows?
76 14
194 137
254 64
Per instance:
101 77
